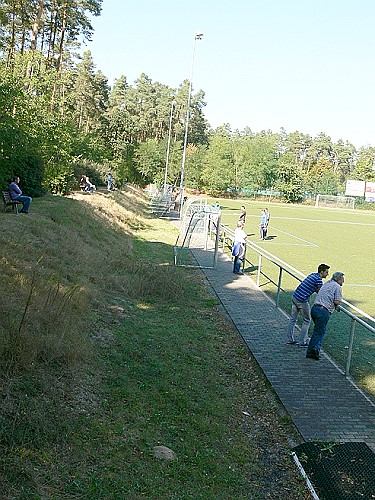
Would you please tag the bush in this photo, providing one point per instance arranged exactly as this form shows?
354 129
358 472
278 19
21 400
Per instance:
360 203
62 183
19 150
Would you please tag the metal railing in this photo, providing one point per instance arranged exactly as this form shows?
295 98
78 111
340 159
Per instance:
226 238
161 204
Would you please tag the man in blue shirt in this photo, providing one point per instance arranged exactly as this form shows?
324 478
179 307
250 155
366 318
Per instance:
300 304
109 181
16 194
263 225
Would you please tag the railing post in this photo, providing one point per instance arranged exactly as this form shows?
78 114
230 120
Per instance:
217 236
259 268
351 341
278 287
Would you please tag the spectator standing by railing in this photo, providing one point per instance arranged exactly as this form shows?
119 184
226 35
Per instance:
239 248
327 300
300 304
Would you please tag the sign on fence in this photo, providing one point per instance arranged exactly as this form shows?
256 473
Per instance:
355 188
370 192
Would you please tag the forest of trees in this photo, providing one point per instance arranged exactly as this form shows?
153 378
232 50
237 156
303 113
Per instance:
59 118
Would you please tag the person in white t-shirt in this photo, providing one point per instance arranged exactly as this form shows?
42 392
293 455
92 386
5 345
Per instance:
239 248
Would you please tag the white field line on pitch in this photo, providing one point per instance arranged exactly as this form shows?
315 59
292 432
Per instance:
358 284
271 242
296 237
328 221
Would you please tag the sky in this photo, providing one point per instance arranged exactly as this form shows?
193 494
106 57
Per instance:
306 65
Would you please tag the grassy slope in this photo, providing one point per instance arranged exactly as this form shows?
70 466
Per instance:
107 350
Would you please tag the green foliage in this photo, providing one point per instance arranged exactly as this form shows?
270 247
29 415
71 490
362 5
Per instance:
57 110
19 151
195 157
149 159
240 162
360 203
125 167
10 157
257 160
364 168
88 95
344 160
32 174
218 167
290 180
62 183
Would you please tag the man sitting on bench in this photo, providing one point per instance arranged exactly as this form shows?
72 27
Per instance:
16 195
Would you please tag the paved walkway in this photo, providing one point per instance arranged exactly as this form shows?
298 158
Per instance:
322 403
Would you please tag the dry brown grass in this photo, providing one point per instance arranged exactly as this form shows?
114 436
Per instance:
125 209
63 263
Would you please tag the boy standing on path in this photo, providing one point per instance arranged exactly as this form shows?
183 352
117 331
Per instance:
300 304
109 181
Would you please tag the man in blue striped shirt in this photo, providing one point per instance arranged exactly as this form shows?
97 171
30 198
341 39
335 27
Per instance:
300 304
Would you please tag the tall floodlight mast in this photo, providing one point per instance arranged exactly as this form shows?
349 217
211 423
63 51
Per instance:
198 36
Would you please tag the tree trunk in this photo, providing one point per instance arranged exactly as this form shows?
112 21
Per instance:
62 38
36 24
34 37
60 57
11 50
52 37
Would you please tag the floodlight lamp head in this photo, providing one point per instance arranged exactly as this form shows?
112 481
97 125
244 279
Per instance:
198 36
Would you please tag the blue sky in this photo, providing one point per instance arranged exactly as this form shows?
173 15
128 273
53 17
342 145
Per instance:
306 65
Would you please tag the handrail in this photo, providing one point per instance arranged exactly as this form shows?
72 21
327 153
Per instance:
228 234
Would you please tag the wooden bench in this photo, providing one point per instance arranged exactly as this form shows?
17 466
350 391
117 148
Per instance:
8 202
